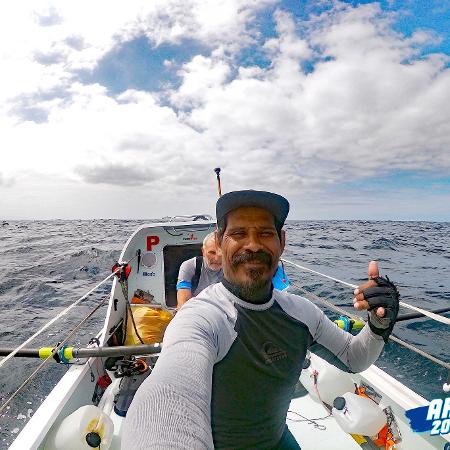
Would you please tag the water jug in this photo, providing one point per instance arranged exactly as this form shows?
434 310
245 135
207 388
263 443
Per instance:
331 381
86 428
358 415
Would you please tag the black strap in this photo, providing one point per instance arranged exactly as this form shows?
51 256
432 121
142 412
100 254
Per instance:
198 271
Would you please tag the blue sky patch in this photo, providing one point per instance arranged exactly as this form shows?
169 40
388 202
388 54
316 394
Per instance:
412 15
416 14
136 64
253 56
404 179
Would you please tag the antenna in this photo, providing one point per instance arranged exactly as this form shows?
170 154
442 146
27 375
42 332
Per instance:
217 170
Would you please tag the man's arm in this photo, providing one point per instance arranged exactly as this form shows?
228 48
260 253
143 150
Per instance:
171 409
183 295
381 298
184 283
356 352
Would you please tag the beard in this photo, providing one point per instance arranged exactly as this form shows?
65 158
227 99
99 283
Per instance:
214 266
257 281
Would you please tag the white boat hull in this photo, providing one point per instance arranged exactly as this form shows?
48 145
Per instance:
76 388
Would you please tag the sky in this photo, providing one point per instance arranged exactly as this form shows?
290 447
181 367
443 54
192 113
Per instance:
115 109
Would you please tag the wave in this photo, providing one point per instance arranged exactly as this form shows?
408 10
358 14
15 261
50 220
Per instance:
382 244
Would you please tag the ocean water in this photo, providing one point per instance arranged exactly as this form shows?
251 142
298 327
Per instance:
47 265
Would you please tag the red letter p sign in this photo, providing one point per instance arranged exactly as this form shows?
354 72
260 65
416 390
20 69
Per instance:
151 241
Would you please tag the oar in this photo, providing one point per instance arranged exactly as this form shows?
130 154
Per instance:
351 324
424 312
73 353
418 315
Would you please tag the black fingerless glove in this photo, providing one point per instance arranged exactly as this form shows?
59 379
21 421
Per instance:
386 295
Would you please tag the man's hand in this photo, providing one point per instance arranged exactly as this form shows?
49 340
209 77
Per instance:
359 301
381 298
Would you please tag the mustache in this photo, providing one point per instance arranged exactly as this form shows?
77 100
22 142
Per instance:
259 256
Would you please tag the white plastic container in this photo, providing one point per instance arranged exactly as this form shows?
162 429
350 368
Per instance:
71 433
331 381
358 415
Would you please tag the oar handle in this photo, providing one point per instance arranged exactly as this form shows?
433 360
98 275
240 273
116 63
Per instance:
25 352
348 324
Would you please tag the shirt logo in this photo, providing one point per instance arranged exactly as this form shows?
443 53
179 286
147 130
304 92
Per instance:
272 353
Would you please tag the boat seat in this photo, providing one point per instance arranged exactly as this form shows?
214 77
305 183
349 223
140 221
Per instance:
174 256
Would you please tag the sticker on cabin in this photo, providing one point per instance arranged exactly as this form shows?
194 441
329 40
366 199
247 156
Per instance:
151 242
190 237
434 418
149 259
149 274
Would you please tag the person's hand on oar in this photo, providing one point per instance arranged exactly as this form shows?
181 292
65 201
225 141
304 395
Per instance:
381 298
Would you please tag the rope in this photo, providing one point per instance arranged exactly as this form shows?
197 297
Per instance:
310 421
429 314
57 350
61 314
354 316
124 287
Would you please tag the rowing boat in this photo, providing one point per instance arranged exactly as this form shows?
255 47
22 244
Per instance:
147 270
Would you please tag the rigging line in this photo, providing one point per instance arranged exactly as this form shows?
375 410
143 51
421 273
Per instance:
54 351
57 317
52 321
355 316
429 314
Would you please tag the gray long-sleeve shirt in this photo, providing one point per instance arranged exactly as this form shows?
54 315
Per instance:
207 276
228 369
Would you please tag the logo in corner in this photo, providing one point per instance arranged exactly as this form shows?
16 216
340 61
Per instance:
434 418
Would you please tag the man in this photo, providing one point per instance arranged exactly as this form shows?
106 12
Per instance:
199 272
232 355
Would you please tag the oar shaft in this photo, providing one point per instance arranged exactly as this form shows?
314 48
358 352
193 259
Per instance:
52 321
145 349
429 314
410 316
71 352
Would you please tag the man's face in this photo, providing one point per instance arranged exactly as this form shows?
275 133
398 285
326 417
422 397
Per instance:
251 248
212 255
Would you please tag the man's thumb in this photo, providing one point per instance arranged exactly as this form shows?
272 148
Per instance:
373 270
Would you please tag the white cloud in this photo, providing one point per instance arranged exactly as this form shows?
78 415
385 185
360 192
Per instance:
200 77
43 42
344 97
362 111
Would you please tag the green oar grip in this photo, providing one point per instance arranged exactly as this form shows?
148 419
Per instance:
348 324
46 352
